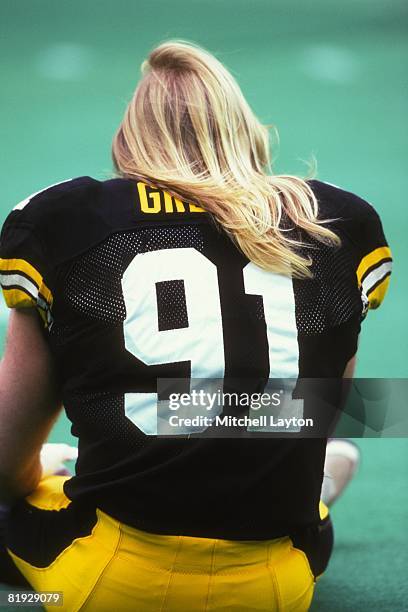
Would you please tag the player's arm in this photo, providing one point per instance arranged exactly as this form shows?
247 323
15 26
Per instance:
350 367
29 403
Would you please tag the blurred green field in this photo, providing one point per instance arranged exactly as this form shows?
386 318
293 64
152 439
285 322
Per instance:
333 78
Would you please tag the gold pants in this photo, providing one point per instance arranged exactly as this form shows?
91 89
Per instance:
119 568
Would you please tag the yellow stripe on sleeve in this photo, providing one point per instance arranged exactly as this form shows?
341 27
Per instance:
15 298
377 295
21 265
372 259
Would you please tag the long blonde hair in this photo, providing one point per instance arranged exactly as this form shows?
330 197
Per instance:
189 130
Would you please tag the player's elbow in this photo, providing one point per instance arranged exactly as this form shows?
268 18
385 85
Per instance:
17 484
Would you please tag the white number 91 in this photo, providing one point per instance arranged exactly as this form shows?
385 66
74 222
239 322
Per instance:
201 343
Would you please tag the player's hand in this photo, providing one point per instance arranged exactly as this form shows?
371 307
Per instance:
53 456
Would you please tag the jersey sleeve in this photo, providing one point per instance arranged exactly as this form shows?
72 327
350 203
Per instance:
26 265
374 260
23 267
37 235
360 229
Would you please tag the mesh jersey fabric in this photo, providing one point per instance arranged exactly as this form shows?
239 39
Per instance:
98 259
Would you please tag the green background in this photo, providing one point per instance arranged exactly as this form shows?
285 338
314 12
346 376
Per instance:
332 76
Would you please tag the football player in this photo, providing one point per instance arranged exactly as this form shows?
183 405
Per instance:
195 262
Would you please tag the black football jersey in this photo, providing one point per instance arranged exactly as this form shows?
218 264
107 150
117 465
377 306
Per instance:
134 285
